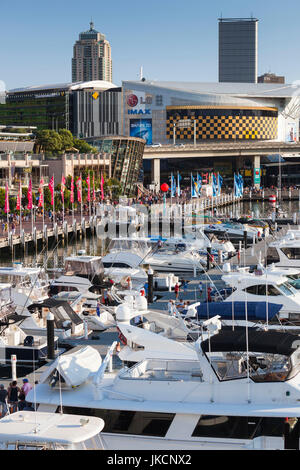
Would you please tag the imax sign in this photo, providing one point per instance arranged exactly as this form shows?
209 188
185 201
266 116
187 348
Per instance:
139 111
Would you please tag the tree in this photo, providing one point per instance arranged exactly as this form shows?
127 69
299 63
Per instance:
84 147
49 141
67 139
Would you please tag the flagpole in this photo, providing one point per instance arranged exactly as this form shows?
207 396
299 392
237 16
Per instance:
43 208
7 207
53 201
89 191
20 192
171 189
81 195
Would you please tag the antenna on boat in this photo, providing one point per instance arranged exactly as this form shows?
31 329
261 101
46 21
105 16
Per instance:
247 346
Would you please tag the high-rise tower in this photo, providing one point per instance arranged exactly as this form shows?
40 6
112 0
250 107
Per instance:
238 50
91 57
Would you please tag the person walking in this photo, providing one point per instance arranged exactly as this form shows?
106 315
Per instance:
26 387
176 290
200 289
13 394
3 400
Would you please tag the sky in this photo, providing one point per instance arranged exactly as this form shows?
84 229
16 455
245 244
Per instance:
172 39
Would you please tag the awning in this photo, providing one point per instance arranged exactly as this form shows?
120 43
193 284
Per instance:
255 310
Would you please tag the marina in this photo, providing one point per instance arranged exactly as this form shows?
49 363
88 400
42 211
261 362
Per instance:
133 327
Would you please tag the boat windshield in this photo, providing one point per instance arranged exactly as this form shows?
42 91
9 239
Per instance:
287 289
136 246
261 367
84 267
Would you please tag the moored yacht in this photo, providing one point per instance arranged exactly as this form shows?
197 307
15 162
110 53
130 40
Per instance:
240 393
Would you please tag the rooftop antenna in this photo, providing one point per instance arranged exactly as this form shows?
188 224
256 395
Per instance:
91 24
141 72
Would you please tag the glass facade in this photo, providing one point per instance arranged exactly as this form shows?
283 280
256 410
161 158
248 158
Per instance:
31 109
126 158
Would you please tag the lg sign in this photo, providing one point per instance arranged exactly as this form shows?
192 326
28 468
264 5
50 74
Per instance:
132 101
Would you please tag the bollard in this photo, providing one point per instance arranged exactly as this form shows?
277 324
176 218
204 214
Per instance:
86 331
295 218
208 257
170 276
50 336
150 286
13 360
220 257
245 240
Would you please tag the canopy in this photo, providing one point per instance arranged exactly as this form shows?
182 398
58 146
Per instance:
272 342
227 310
75 367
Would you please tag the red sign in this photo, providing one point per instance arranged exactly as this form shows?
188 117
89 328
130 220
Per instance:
132 100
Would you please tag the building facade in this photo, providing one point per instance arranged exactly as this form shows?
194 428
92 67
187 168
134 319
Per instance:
238 50
126 158
198 116
270 78
91 57
84 108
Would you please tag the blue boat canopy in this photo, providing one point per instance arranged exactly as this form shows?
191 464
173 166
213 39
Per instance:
255 310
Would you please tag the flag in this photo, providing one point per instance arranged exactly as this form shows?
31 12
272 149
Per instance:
63 187
19 198
220 182
238 185
41 193
94 193
51 187
214 185
72 191
199 184
173 185
29 195
6 208
194 192
102 187
79 192
178 184
88 181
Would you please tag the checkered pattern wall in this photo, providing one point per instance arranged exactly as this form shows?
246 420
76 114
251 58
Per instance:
223 126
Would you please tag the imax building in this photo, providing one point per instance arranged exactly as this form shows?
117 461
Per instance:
210 111
207 115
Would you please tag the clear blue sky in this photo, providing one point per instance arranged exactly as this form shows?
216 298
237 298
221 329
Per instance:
172 39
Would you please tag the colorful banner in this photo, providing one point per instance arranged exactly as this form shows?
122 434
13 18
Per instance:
88 181
51 188
19 198
29 195
41 193
72 191
94 193
141 128
79 189
63 187
6 207
102 187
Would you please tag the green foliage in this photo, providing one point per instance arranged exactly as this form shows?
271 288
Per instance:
67 140
84 147
49 141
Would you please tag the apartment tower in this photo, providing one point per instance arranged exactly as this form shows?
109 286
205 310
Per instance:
238 50
91 57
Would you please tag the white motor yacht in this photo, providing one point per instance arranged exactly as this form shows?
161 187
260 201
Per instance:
240 393
265 287
28 430
285 252
168 260
28 284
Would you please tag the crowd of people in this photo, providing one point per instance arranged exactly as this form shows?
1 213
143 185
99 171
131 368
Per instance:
13 398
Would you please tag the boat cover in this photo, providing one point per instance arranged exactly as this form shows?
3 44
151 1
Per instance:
270 341
76 367
237 310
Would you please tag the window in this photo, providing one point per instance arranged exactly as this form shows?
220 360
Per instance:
272 256
128 422
238 427
291 253
272 290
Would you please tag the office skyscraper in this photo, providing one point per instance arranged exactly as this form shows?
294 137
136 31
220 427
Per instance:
238 50
91 57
